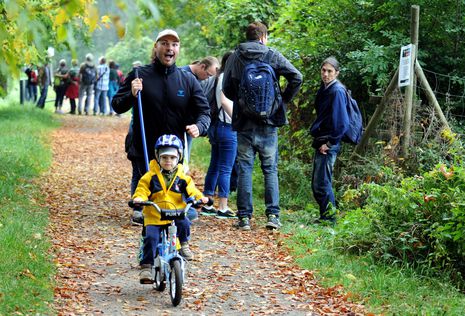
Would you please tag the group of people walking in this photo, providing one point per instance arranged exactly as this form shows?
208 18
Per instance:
85 83
206 98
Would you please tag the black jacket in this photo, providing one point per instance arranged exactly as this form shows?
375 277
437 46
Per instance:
171 100
233 74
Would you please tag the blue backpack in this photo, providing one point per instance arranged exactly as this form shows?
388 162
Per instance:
355 131
259 93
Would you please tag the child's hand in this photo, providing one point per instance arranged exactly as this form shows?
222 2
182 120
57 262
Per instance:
138 200
204 200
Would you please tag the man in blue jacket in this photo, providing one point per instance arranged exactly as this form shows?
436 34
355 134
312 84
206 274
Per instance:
257 136
331 123
172 100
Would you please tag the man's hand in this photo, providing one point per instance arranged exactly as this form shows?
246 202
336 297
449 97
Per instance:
193 130
136 86
323 149
138 200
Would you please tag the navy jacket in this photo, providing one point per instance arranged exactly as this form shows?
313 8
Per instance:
233 74
332 120
171 100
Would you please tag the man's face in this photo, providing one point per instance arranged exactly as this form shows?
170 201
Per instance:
328 73
167 50
207 72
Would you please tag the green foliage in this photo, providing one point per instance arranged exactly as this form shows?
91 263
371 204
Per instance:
129 50
419 223
26 269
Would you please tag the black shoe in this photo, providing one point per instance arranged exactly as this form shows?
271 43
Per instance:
273 222
243 223
227 213
208 211
137 219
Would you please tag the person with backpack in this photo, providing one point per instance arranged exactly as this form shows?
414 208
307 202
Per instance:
328 130
223 142
87 76
251 81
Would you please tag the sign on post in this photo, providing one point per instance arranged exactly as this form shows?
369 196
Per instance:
405 65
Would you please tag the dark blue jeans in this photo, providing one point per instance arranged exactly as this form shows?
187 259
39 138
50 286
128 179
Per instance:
264 141
223 142
152 238
43 97
322 180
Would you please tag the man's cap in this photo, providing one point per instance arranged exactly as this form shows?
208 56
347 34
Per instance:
168 151
167 32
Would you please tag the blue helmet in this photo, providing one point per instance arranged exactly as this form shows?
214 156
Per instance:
171 141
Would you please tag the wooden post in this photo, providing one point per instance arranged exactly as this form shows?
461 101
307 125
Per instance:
409 92
430 94
359 149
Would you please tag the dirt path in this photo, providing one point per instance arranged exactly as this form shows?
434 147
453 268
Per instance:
234 273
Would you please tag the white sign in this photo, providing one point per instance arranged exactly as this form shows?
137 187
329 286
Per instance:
405 65
50 52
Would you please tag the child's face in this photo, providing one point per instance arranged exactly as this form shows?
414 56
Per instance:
168 162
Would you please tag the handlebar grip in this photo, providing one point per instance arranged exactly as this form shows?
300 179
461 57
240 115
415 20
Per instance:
210 201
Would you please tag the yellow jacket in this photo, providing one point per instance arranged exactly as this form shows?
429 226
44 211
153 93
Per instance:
152 186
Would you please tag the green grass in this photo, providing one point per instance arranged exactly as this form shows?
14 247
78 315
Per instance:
386 289
26 269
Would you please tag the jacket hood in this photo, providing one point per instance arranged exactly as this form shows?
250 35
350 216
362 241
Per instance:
252 49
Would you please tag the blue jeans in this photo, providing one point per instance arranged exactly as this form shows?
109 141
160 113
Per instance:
43 97
322 180
264 141
100 101
152 238
223 142
112 89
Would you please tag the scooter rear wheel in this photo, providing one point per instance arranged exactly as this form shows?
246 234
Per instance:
159 280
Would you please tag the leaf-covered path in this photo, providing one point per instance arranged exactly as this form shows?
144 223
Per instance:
234 272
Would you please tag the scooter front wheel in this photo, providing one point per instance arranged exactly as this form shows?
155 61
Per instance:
176 283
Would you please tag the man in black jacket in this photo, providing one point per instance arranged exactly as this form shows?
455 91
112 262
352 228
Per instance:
172 102
257 136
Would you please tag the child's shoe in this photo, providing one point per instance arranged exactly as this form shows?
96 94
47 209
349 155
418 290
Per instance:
186 251
145 275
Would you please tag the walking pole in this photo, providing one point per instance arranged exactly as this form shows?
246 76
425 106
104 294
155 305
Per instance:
142 127
185 161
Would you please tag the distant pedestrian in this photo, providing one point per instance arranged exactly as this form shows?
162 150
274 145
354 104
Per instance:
60 83
31 84
72 92
87 76
101 87
258 135
331 123
45 81
113 84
